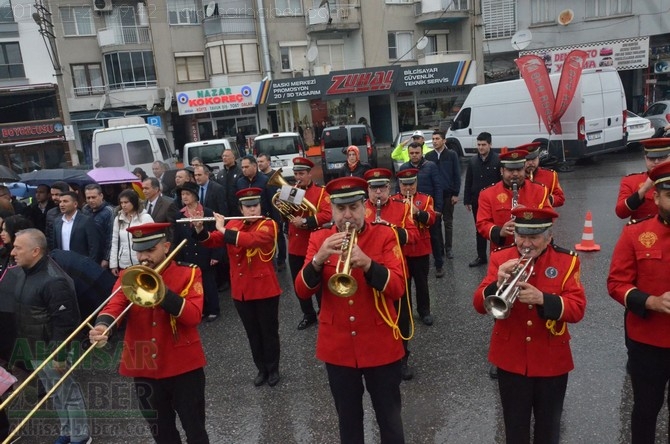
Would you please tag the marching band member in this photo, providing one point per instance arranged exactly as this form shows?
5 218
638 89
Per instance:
494 219
301 225
531 347
254 287
357 337
418 253
639 262
162 349
381 208
545 176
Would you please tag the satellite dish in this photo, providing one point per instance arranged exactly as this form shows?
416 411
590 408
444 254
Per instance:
422 43
150 103
312 54
521 39
211 9
565 17
167 102
103 102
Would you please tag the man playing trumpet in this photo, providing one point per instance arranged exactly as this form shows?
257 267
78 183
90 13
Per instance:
358 337
531 347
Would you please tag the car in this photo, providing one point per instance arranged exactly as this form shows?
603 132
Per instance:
334 143
658 113
282 149
638 128
428 141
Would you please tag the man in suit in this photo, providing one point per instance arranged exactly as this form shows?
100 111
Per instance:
159 168
227 177
160 208
74 231
210 193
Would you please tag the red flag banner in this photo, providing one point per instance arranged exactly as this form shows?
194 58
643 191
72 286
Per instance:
535 75
567 86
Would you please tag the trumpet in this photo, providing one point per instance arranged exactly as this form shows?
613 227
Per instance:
187 220
409 198
141 285
500 304
341 283
378 213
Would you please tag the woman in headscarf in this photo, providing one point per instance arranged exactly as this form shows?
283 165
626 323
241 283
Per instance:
354 166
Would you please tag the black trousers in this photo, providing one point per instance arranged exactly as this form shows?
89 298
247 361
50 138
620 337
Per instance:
383 384
260 318
542 397
481 240
448 219
295 263
211 305
184 394
418 270
649 376
437 244
281 243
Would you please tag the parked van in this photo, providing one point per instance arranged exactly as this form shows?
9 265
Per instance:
209 151
130 143
334 143
282 149
594 123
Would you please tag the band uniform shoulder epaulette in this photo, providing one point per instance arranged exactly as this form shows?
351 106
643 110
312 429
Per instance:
486 187
564 250
547 169
504 247
634 221
187 264
635 174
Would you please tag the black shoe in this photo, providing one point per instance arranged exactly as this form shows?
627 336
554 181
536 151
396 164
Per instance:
450 254
406 372
427 319
306 322
439 273
477 262
493 372
211 318
273 379
260 378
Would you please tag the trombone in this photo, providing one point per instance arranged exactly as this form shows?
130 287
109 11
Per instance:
141 285
500 304
342 284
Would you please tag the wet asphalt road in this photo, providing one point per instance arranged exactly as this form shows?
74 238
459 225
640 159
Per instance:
451 399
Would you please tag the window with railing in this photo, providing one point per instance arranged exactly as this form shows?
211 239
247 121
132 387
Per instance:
77 20
234 58
87 79
190 68
11 63
606 8
499 18
131 69
542 11
400 46
183 12
6 13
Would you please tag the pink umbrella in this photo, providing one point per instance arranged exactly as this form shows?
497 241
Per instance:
112 175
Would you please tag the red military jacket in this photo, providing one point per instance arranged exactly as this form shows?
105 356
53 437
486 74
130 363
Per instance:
251 247
298 238
352 332
524 343
423 220
397 213
549 178
495 208
639 269
629 204
150 349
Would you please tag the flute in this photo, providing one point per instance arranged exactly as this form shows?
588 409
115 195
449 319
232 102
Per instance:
213 219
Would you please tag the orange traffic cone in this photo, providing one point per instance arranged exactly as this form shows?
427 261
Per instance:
587 244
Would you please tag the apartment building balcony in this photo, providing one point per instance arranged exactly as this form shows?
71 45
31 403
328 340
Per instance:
334 17
123 35
444 57
230 24
429 12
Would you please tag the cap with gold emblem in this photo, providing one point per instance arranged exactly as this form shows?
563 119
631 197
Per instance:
655 148
661 176
533 149
302 164
249 197
378 177
514 160
533 220
146 236
407 176
346 190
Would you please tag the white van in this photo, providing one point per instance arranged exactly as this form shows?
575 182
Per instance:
282 149
209 151
130 143
594 123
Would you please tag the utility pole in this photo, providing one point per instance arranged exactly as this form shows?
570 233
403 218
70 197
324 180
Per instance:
42 17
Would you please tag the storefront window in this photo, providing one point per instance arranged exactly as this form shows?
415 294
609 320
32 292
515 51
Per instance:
433 111
341 112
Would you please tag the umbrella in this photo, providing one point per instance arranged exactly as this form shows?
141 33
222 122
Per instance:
50 176
8 175
112 175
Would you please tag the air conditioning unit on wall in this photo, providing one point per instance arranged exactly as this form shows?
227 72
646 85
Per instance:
102 5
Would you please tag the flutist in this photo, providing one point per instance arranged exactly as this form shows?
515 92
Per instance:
358 338
531 347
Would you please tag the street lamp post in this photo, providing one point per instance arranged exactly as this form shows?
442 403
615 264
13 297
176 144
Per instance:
42 17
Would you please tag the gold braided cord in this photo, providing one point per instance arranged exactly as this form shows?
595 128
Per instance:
184 292
263 256
551 324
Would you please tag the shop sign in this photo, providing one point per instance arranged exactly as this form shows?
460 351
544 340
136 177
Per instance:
622 54
42 129
218 99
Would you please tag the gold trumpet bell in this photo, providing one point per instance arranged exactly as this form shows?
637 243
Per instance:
342 285
143 286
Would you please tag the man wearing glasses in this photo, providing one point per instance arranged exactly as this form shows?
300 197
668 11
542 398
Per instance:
636 191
